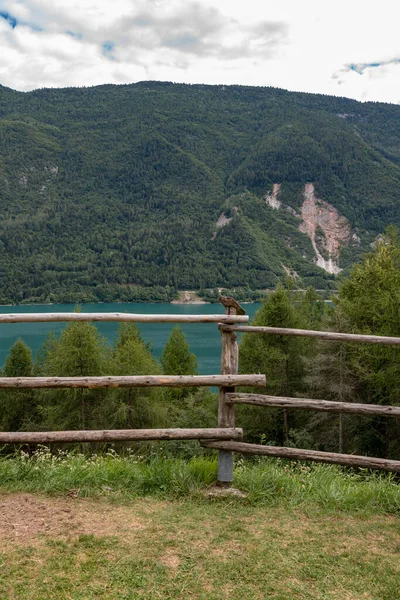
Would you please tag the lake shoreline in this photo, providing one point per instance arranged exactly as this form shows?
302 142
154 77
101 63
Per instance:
204 339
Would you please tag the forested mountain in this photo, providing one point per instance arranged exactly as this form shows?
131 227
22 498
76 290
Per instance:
131 192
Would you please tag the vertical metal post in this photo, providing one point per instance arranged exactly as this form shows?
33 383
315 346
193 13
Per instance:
226 411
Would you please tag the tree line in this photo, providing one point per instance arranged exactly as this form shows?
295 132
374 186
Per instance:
368 302
81 350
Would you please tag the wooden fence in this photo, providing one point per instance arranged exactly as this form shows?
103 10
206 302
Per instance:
231 398
226 438
226 381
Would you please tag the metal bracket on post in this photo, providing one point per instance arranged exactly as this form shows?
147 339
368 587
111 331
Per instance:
226 411
225 468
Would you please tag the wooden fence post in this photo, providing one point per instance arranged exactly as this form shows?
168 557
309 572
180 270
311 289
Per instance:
226 410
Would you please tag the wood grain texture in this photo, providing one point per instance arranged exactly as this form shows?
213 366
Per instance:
349 460
322 335
229 366
118 435
132 381
309 404
120 317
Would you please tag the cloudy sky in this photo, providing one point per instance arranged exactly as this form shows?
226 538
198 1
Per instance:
340 47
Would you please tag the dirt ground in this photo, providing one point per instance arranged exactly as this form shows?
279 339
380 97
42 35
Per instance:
71 547
24 518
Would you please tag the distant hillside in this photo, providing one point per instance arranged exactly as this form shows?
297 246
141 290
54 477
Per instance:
134 191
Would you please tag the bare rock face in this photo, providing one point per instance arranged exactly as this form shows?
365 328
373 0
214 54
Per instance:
272 199
224 220
327 229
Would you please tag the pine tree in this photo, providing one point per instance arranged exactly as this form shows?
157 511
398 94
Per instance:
188 407
311 309
176 359
331 377
370 300
17 407
133 407
80 351
19 362
276 356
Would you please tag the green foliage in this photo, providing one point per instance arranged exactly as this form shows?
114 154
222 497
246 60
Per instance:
81 351
114 192
19 362
133 407
270 354
17 407
311 309
330 376
267 481
78 352
368 303
276 356
176 358
370 299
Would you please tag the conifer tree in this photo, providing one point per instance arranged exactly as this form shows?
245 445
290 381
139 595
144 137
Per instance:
19 361
276 356
80 351
312 309
330 377
176 359
17 407
188 407
370 301
133 407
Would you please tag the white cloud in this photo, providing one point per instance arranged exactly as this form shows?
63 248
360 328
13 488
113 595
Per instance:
298 45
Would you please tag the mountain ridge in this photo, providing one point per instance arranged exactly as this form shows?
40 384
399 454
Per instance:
114 192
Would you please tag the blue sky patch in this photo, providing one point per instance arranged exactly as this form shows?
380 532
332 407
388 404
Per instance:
361 67
108 47
73 34
12 21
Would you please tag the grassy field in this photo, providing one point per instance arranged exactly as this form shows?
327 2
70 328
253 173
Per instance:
144 528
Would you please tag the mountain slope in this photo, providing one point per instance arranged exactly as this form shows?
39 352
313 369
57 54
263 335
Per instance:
134 191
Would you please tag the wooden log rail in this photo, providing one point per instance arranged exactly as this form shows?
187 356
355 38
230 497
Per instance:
307 404
133 381
322 335
119 317
225 437
349 460
119 435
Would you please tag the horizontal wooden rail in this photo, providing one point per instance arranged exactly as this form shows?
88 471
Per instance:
120 317
348 460
133 381
307 404
322 335
119 435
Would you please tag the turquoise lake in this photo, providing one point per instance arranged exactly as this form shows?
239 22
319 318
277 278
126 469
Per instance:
204 338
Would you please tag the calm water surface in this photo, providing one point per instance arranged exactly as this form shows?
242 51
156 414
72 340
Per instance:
204 338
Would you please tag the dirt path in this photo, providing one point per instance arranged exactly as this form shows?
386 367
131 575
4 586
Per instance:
25 518
58 548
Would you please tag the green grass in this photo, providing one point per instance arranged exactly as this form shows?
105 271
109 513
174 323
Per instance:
141 528
271 482
157 549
